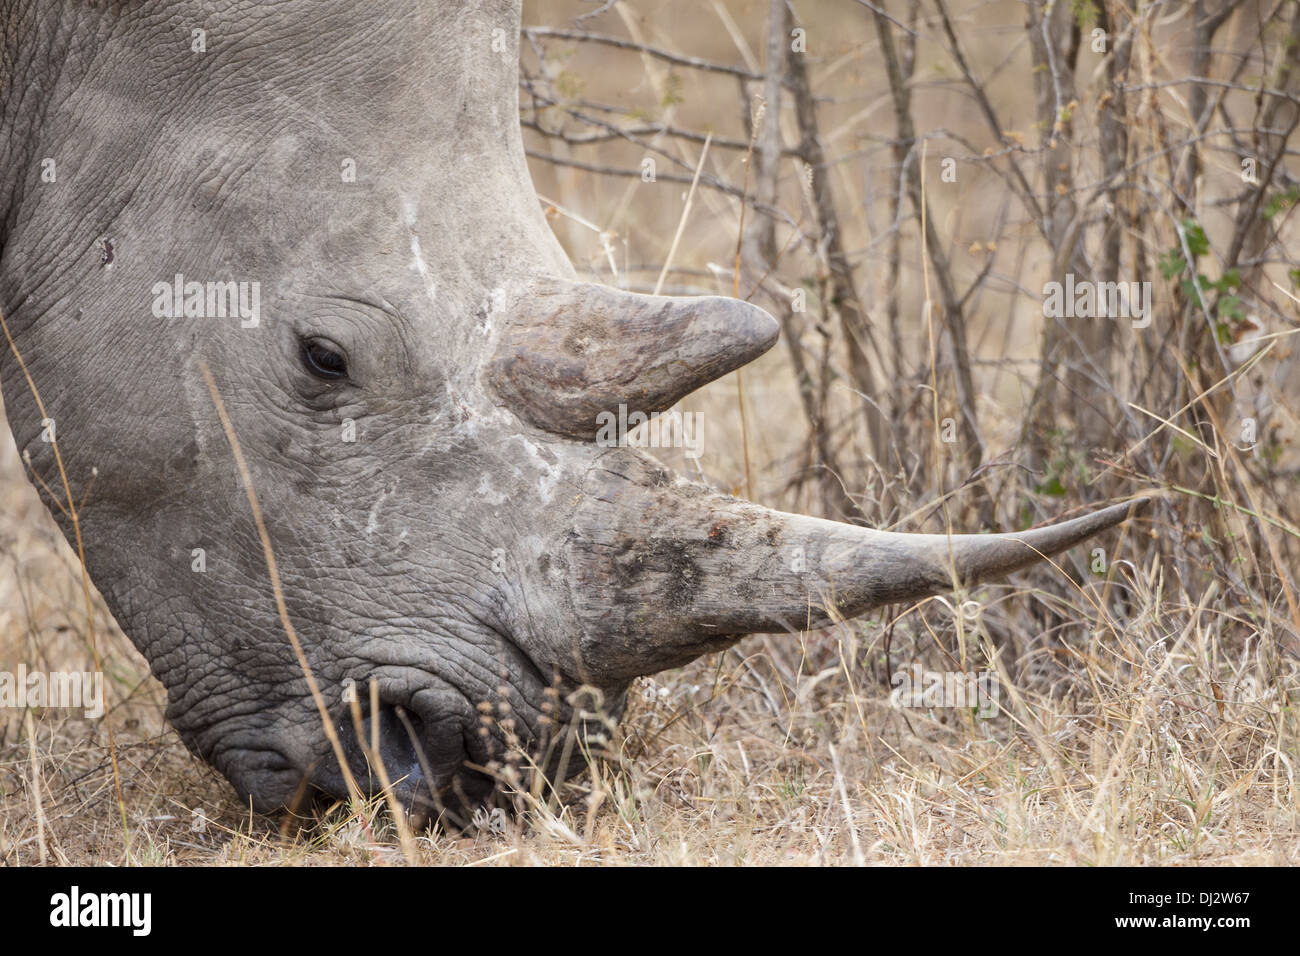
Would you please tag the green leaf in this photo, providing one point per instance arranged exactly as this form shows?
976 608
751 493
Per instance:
1052 487
1172 263
1281 201
1197 244
1230 306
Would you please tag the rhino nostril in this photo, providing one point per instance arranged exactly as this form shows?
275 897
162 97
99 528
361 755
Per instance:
392 737
413 728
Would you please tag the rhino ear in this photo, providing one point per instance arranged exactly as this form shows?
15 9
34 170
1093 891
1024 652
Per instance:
574 350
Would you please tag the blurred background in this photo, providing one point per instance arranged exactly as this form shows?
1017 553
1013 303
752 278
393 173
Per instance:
1094 140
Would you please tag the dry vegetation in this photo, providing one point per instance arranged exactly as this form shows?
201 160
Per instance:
1148 707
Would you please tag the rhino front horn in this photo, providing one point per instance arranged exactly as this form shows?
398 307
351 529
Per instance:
574 350
666 570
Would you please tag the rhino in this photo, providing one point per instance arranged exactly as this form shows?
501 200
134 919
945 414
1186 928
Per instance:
279 292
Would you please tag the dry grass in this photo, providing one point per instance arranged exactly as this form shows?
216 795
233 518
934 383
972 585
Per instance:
1148 713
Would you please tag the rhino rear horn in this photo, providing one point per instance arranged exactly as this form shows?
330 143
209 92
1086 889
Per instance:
574 350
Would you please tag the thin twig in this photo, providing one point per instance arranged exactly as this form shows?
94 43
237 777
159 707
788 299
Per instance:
667 56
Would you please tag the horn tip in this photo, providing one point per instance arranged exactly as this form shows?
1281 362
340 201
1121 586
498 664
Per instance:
1134 507
749 329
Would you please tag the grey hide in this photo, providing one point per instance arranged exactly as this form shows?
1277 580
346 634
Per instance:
473 551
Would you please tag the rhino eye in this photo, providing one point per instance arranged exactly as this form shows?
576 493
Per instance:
324 360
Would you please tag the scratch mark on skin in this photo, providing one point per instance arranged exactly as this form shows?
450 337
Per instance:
417 254
372 519
485 490
550 473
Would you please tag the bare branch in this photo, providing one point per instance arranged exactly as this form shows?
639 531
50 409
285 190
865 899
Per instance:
677 59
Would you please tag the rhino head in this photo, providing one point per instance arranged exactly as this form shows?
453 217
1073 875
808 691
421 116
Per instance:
326 205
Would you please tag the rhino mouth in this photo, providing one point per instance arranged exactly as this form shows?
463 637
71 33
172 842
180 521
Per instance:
412 751
388 749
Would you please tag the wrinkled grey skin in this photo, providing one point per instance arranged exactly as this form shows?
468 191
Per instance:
478 560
